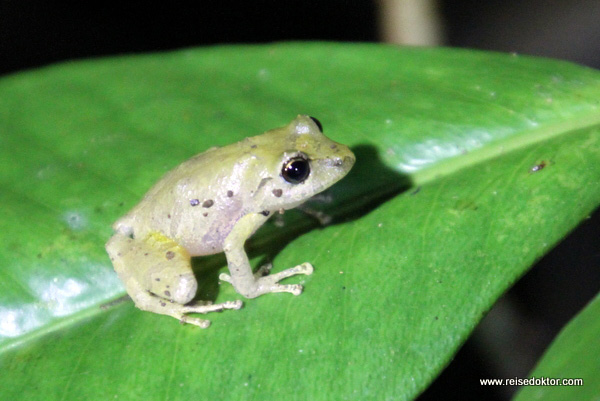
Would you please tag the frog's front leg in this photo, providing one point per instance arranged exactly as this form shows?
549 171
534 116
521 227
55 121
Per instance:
158 277
242 278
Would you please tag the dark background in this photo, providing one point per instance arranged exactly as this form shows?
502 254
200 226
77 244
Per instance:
515 333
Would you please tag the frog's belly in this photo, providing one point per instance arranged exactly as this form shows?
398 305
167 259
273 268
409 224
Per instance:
201 236
207 244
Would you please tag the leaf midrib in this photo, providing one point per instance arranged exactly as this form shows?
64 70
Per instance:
504 146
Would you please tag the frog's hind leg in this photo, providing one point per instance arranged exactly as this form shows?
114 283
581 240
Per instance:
158 276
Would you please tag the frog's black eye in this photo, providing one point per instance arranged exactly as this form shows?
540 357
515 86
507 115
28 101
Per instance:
318 123
296 170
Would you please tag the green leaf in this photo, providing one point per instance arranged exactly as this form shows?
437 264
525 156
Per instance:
574 354
470 166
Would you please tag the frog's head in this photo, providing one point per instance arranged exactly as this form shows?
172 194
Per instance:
306 162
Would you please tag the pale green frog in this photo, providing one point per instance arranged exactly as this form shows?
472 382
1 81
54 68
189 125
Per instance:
213 203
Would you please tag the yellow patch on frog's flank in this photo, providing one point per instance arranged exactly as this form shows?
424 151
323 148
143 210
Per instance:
160 241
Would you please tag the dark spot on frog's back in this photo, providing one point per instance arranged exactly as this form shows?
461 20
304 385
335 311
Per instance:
168 293
194 202
277 192
169 255
229 194
208 203
265 213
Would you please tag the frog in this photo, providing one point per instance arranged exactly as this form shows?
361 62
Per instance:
214 202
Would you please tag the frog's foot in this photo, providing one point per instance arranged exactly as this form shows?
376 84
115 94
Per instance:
263 285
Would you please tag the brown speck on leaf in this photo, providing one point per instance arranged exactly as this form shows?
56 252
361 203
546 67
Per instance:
169 216
167 293
194 202
146 254
157 279
277 192
208 203
170 255
265 213
229 194
253 146
333 146
537 167
163 304
204 214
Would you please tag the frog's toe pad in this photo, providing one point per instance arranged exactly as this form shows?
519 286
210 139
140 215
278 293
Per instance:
225 277
295 289
304 268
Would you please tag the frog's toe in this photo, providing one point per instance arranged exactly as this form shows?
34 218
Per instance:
304 268
268 284
202 323
225 277
295 289
237 304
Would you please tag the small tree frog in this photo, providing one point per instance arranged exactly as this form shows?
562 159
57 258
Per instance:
213 203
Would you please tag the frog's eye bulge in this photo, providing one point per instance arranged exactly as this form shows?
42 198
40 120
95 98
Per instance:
296 170
318 123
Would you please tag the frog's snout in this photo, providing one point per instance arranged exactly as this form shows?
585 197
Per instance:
344 160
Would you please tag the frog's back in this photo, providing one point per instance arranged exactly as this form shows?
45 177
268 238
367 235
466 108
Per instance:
188 204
